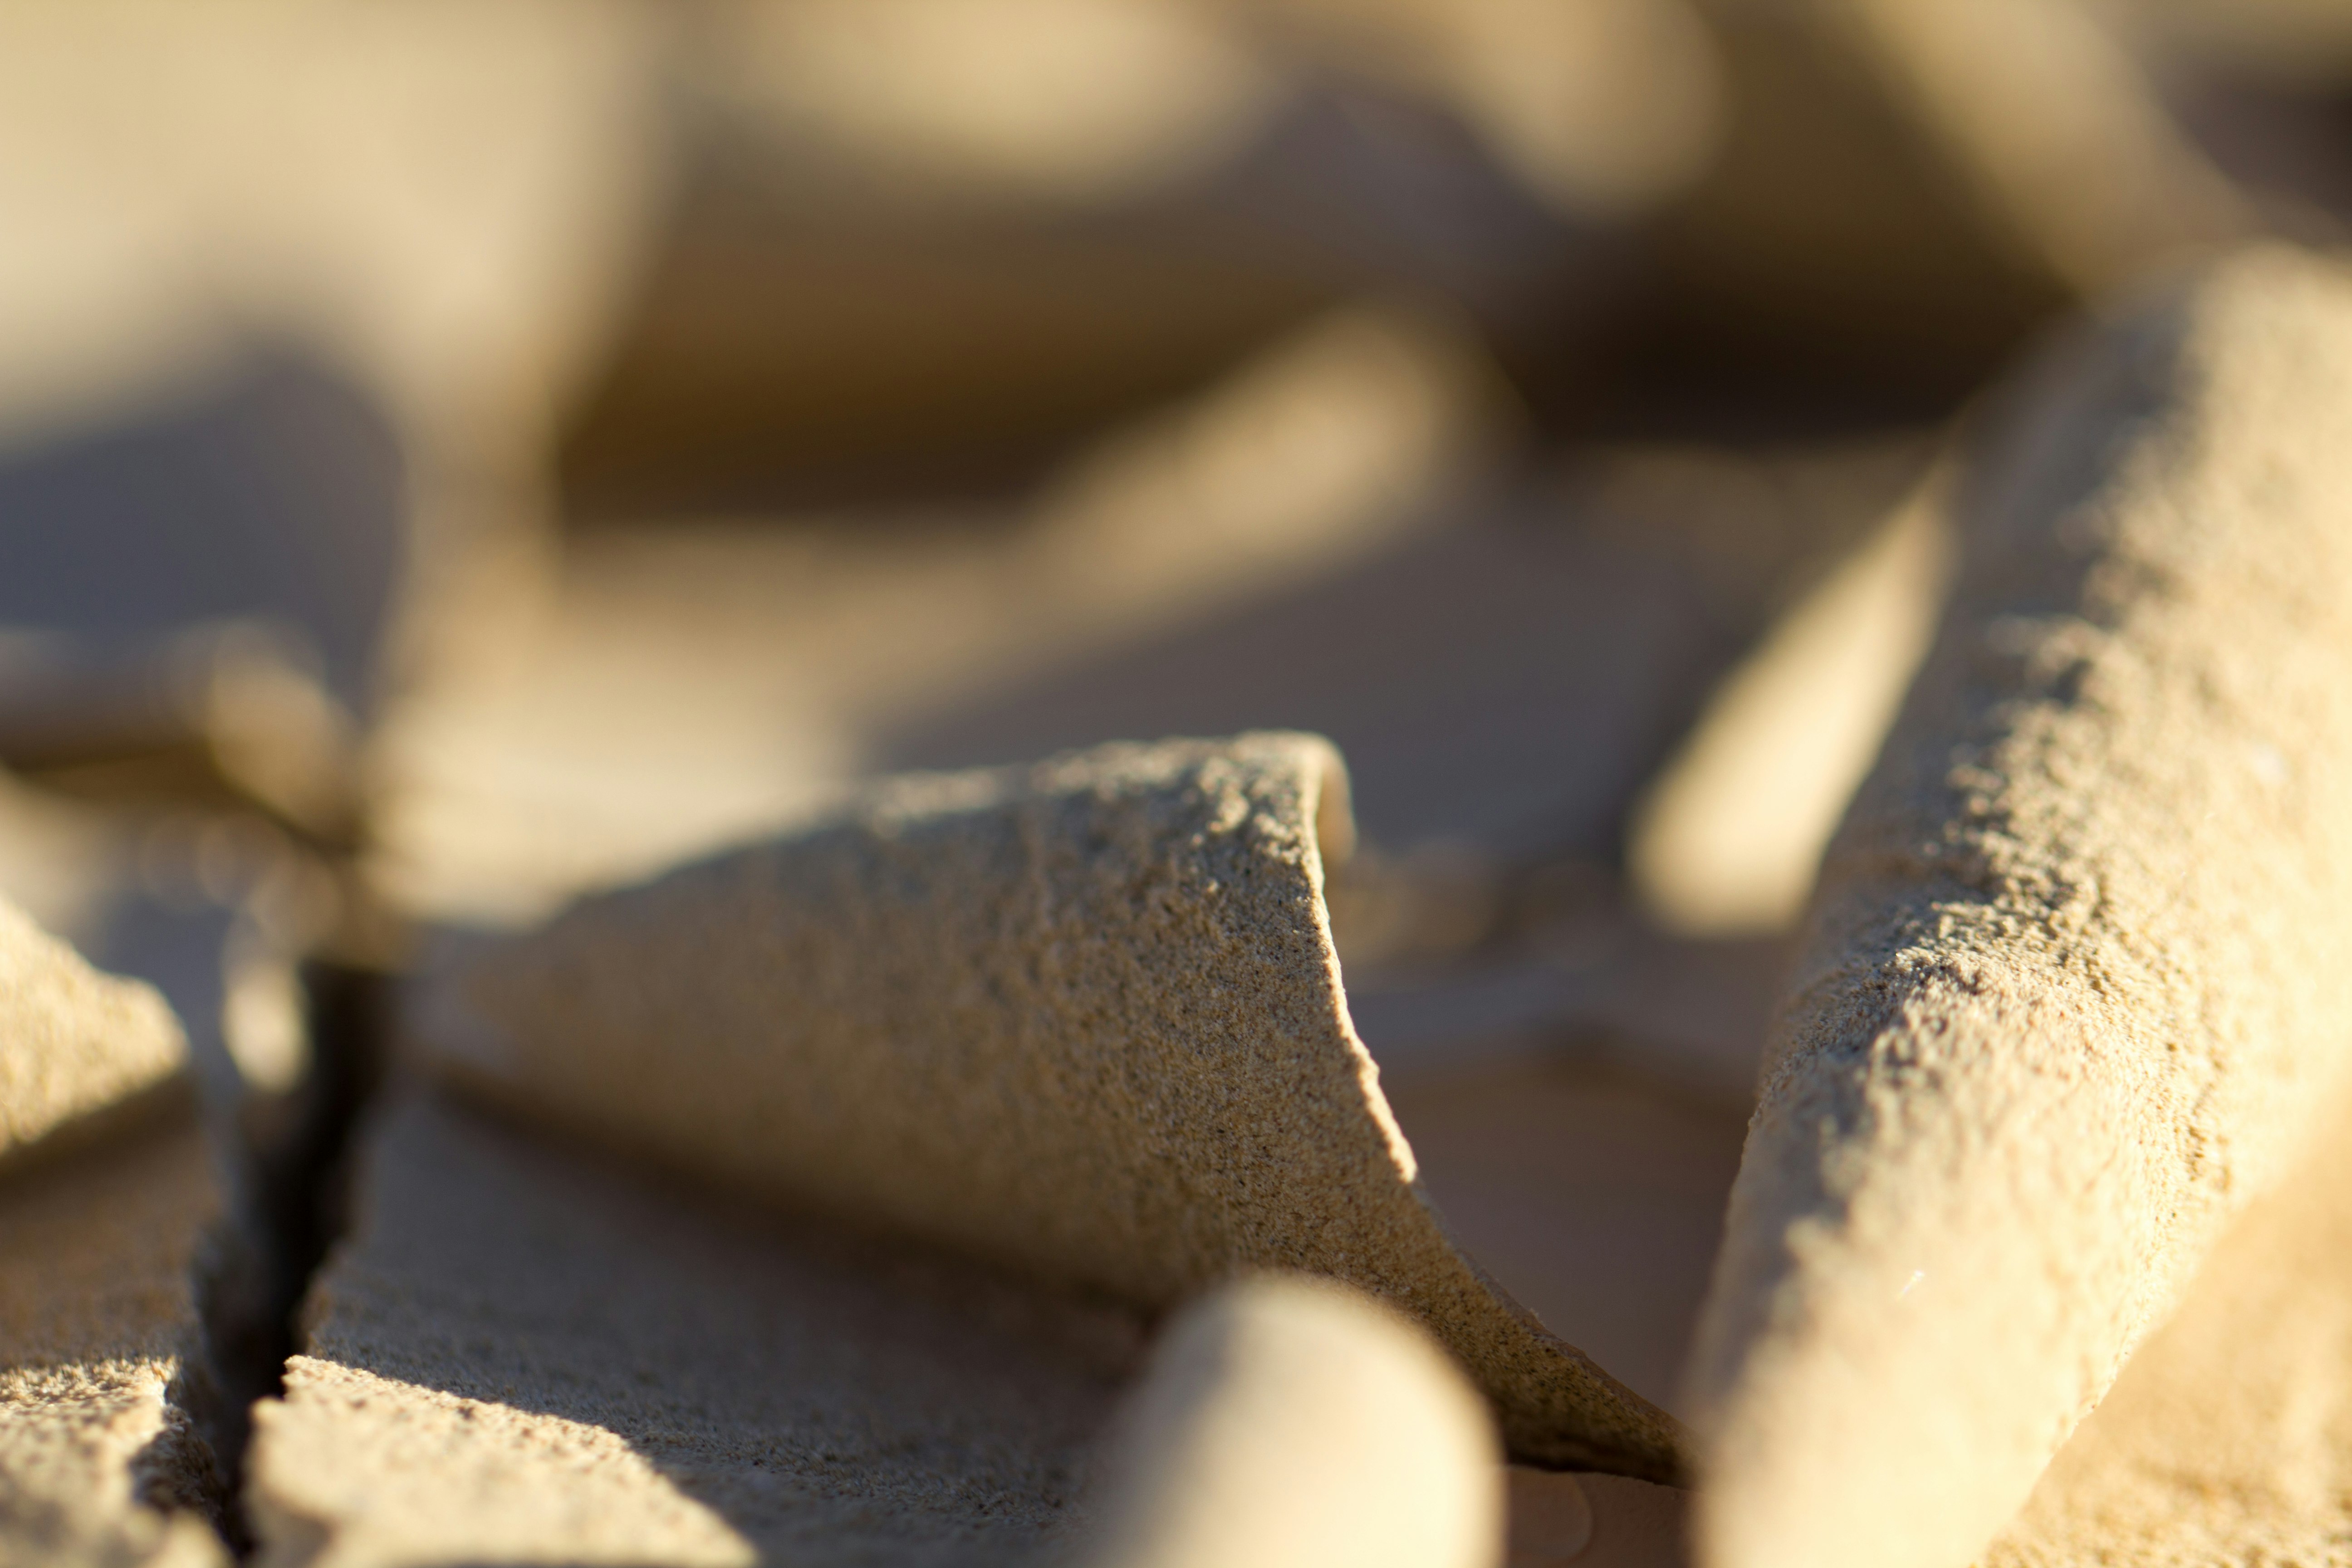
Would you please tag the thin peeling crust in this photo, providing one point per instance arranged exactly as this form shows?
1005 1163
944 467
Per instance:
1083 1018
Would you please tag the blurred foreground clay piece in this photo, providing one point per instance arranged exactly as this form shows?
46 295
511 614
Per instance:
2067 1002
1287 1420
1083 1018
106 1191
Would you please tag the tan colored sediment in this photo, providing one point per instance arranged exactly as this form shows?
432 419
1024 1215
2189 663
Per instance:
2071 991
97 1466
106 1192
522 1353
1083 1018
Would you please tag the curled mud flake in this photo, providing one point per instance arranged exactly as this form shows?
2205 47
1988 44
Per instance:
2063 1160
1177 1096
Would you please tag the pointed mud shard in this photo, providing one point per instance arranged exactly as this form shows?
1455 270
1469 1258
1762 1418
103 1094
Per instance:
2072 992
106 1195
1082 1018
81 1053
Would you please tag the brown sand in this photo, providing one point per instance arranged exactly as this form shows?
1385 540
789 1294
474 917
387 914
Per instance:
95 1315
524 1355
2070 998
1084 1018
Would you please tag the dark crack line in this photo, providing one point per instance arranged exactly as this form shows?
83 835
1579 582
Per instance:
291 1202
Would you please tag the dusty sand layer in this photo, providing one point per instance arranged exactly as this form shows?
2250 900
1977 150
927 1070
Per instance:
1084 1018
95 1315
2074 988
525 1355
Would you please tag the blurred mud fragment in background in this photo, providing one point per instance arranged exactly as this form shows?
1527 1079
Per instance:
919 245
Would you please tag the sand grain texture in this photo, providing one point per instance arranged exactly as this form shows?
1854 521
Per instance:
98 1462
1082 1018
80 1051
523 1355
2229 1437
106 1192
2072 995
